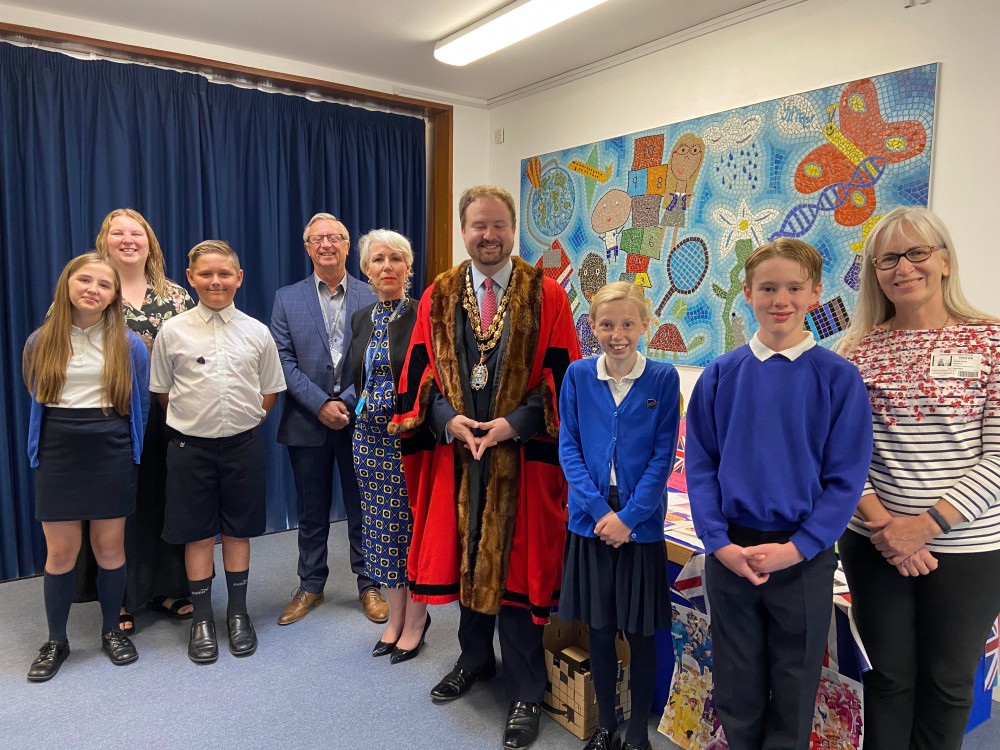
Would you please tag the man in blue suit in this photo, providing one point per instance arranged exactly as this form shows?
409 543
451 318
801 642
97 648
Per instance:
311 324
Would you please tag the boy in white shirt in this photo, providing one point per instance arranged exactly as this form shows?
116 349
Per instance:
217 374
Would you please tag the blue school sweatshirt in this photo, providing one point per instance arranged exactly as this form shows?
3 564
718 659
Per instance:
778 445
639 435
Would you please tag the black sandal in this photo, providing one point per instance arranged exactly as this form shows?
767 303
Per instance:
174 610
126 619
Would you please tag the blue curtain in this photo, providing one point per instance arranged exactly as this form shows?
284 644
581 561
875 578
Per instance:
198 160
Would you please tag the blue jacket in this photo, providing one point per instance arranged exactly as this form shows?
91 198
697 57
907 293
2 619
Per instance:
639 436
299 332
138 406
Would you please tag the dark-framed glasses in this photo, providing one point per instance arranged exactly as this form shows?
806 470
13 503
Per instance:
317 239
917 254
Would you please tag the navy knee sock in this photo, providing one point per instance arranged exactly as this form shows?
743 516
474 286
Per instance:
58 590
236 583
201 598
110 592
642 681
604 670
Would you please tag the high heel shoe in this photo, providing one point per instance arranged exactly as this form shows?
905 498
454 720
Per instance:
382 648
405 654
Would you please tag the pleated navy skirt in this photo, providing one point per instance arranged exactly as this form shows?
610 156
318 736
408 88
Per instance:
85 467
625 588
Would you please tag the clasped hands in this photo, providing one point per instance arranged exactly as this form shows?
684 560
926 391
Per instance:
462 428
334 414
612 530
756 563
901 541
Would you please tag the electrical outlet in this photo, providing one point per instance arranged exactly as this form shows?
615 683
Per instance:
498 136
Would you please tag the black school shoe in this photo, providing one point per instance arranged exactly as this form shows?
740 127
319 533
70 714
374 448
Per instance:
242 636
119 648
50 657
203 648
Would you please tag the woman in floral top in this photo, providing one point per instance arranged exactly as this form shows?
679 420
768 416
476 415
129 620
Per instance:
922 553
156 573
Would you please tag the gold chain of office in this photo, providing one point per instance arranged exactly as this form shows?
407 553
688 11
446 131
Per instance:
489 339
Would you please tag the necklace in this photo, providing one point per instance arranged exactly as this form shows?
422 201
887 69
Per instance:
891 329
484 340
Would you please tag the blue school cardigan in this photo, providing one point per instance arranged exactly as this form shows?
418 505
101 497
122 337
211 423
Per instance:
639 436
138 405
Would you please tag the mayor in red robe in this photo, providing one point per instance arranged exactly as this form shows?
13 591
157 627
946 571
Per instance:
488 530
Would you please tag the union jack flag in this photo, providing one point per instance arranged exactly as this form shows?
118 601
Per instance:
992 655
678 477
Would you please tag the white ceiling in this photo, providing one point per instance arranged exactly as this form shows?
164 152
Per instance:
394 39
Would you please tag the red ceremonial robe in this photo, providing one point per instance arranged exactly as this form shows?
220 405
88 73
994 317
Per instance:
523 530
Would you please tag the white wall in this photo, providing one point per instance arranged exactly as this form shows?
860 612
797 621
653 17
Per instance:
810 45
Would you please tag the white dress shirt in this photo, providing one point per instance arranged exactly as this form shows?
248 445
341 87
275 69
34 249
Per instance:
216 367
762 352
501 279
620 390
82 389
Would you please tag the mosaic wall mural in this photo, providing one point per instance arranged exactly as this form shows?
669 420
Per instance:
677 210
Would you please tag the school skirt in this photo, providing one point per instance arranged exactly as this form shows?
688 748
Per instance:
85 467
624 589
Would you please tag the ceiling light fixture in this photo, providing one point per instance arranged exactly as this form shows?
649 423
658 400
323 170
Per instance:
505 27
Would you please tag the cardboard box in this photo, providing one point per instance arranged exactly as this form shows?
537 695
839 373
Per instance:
569 694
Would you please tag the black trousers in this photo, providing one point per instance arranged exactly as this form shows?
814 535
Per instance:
925 636
768 650
313 471
520 648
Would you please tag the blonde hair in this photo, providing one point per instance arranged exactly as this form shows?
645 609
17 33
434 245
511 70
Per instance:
154 271
324 217
486 191
45 359
873 307
620 291
688 139
393 241
786 247
213 247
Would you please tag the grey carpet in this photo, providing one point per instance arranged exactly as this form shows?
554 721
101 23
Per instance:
310 685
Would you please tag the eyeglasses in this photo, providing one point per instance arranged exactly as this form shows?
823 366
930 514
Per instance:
317 239
917 254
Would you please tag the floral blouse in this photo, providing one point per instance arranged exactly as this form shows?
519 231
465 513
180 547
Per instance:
146 320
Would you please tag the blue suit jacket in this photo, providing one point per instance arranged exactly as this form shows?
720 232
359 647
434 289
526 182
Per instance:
300 333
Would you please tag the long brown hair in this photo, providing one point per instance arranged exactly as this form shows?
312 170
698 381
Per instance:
46 358
155 275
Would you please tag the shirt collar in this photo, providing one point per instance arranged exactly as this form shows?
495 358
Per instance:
226 313
634 373
501 278
763 353
342 284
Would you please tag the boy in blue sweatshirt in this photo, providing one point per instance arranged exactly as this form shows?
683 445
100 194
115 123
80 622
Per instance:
779 441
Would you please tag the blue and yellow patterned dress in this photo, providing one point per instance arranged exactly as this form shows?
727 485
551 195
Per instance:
385 509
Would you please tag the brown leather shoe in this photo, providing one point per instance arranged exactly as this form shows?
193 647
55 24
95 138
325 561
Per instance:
302 601
376 607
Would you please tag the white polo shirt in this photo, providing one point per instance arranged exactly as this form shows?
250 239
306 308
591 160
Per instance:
216 367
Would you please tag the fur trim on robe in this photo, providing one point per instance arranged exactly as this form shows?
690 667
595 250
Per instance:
519 558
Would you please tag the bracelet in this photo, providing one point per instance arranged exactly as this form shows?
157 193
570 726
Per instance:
939 520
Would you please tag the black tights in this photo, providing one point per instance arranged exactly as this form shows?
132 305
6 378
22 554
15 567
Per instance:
604 668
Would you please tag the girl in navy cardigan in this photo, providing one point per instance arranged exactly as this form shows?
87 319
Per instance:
617 466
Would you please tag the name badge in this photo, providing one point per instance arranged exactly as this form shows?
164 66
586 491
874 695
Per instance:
335 356
945 365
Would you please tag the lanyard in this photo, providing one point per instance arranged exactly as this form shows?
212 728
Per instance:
370 350
331 327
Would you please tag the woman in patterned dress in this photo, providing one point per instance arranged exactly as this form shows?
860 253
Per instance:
156 573
380 338
922 553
